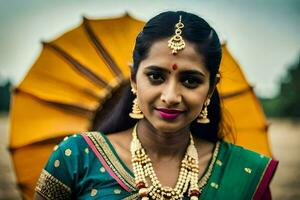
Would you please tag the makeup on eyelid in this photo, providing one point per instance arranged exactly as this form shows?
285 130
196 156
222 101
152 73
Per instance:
190 79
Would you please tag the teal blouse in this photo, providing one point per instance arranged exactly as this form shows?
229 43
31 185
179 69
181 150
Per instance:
86 166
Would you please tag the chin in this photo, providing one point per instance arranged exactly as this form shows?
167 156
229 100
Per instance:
168 127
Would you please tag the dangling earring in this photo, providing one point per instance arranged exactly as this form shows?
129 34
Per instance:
136 113
203 119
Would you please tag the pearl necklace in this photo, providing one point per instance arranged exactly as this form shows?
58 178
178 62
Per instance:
142 169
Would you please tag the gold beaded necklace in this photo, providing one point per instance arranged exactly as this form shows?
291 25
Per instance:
142 168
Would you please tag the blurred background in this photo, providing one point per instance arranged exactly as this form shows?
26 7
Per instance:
263 37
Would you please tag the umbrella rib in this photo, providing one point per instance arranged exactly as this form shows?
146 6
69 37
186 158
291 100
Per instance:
72 108
78 66
234 94
101 50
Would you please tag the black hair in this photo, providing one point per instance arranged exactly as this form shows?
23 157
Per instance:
197 31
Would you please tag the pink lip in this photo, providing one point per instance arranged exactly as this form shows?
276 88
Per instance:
168 113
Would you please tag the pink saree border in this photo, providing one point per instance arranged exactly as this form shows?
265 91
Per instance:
105 165
267 177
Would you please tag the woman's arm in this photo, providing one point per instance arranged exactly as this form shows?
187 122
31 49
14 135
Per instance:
57 177
37 196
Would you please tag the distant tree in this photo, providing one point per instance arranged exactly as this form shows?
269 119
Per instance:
5 96
289 94
287 102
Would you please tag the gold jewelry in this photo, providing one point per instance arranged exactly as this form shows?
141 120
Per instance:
204 179
203 119
176 43
136 112
142 168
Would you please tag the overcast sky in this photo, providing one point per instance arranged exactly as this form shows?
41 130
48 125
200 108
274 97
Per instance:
263 35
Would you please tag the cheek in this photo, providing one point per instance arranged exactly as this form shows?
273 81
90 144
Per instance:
195 99
146 93
195 102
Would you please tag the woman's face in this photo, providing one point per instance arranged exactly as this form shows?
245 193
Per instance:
171 89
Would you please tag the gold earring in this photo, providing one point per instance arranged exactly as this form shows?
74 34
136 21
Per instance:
136 112
203 119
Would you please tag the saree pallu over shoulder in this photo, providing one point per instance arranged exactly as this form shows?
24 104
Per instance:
109 159
239 174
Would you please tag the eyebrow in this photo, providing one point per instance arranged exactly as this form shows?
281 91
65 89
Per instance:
184 72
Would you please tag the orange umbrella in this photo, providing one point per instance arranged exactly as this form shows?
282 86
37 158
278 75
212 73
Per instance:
77 73
241 107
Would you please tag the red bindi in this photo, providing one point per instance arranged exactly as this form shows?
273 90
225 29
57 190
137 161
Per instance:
174 66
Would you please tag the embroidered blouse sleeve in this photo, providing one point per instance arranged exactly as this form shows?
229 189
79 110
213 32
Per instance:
59 175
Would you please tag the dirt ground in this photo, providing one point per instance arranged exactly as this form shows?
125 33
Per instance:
284 139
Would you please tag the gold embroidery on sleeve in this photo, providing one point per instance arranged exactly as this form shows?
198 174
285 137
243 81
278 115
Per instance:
117 191
68 152
56 163
94 192
51 188
55 148
102 169
132 197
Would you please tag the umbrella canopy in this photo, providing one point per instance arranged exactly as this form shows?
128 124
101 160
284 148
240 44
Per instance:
242 109
87 67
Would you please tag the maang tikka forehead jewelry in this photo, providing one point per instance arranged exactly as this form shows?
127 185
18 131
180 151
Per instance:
176 43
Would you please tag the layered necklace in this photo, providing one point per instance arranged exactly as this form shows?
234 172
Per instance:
187 182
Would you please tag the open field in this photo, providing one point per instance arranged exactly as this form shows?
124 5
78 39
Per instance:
8 189
285 142
284 139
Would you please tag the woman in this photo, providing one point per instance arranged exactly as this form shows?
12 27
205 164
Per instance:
168 145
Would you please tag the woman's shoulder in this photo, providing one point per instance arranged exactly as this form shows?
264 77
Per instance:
80 138
250 161
242 152
247 160
74 140
238 166
95 140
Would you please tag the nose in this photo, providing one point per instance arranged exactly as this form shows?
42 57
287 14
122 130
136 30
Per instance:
171 94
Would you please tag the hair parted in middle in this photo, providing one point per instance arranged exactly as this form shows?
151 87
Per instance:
197 31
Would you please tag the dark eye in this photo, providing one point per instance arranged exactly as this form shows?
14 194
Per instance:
155 78
191 82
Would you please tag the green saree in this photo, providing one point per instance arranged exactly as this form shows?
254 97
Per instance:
86 166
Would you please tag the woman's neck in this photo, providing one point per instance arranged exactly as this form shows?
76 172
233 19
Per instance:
159 145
